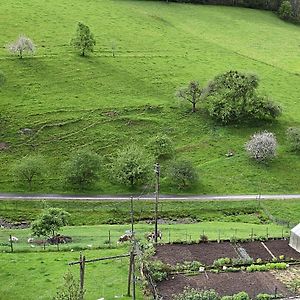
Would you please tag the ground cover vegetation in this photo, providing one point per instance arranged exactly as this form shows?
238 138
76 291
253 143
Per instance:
57 102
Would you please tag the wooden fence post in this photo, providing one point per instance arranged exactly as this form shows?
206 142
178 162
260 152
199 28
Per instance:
81 272
109 238
129 273
11 243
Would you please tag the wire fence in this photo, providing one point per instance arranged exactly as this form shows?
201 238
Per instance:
92 238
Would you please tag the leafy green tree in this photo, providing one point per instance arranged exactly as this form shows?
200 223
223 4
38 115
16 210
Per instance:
70 290
49 222
232 98
82 170
161 146
183 174
192 93
131 166
84 40
29 169
293 138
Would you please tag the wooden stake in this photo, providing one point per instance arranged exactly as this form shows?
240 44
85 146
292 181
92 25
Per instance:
157 172
129 273
81 270
11 244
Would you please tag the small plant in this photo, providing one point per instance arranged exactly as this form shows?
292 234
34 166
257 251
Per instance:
195 294
203 238
294 285
259 261
262 146
264 297
281 257
293 138
158 270
225 261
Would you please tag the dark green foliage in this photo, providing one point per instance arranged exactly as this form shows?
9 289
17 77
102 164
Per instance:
183 174
70 290
49 222
84 40
131 166
264 297
29 169
82 170
158 270
161 146
238 296
285 11
293 138
195 294
232 98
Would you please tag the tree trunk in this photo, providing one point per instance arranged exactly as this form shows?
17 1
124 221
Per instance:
194 107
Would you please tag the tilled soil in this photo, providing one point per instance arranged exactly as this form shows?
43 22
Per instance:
224 283
281 247
256 250
206 253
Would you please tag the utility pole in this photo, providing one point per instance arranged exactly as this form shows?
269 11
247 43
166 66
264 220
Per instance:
157 172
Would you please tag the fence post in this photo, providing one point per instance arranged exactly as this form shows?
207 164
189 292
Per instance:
129 273
282 233
109 238
11 244
81 272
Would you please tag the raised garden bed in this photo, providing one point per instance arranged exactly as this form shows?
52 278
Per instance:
224 284
256 250
281 247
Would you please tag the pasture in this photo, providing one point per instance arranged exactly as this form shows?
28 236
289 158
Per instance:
103 103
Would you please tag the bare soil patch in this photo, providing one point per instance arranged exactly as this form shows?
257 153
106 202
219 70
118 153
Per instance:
281 247
4 146
206 253
256 250
224 283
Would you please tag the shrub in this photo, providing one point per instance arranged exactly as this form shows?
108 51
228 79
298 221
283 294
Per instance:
161 146
220 262
293 138
264 297
203 238
262 146
183 174
158 270
285 11
241 296
82 170
232 98
195 294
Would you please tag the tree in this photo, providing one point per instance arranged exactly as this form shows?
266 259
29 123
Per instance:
161 146
82 170
293 138
131 166
193 93
232 98
262 146
29 168
84 40
2 78
49 222
183 174
286 10
21 45
70 290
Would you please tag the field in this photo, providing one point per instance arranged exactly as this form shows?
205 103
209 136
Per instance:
38 276
104 103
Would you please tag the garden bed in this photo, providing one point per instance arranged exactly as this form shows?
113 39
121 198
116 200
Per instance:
224 283
256 250
206 253
281 247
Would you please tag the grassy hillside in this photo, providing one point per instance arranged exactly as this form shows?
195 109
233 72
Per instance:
104 103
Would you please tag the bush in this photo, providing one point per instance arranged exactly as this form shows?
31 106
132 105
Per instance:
222 262
262 146
264 297
203 238
293 138
82 170
232 98
161 146
194 294
183 174
241 296
158 270
285 11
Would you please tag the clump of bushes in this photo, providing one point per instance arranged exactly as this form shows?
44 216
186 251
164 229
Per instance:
293 138
262 146
161 146
158 270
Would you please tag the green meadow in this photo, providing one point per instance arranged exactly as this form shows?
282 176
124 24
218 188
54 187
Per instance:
104 103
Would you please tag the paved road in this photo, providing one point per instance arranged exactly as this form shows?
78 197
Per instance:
11 196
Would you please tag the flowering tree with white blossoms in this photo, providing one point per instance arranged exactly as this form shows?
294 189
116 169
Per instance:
21 45
262 146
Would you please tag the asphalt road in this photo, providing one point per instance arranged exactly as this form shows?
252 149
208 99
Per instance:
29 197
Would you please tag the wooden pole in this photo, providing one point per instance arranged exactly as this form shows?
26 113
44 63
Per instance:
129 273
81 272
11 243
109 238
131 215
133 275
157 172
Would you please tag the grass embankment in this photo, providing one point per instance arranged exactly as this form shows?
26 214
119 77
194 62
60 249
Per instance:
105 212
38 275
104 103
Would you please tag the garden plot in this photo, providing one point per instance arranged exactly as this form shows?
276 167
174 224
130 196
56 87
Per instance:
224 283
206 253
256 250
281 247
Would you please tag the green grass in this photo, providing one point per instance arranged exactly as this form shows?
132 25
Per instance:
38 275
105 212
86 237
67 99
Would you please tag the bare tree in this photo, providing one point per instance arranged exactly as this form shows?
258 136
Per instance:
21 45
193 93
